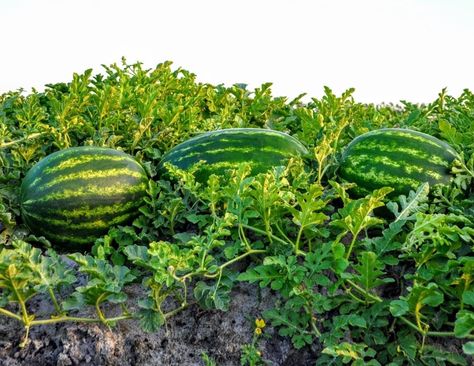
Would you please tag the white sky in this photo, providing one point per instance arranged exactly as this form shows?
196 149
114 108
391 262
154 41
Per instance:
387 49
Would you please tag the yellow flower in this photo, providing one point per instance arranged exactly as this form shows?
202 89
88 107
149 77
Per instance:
260 323
258 331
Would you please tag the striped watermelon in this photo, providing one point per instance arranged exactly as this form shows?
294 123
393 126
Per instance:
398 158
74 195
225 149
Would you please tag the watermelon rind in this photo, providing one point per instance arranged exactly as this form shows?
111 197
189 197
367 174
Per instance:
396 157
73 196
220 150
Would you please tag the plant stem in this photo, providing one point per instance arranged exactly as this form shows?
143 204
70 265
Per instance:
298 238
432 333
97 307
312 322
243 237
61 319
25 317
354 238
276 238
364 292
55 301
24 342
175 311
10 314
349 292
236 259
29 137
283 234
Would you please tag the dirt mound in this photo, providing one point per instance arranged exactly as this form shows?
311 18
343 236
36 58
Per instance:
181 342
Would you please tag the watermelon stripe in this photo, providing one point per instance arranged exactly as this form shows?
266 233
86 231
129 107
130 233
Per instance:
67 238
76 195
88 213
72 204
413 142
63 155
60 230
87 191
221 169
44 171
413 137
409 168
225 149
230 149
75 162
230 156
98 164
235 138
44 218
71 226
435 156
397 158
382 176
89 175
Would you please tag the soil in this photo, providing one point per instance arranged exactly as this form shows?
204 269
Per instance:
186 336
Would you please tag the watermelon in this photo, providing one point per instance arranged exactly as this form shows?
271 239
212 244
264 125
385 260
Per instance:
221 150
73 196
398 158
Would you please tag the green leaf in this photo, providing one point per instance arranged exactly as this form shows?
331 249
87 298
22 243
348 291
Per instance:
74 302
421 296
436 354
425 295
138 255
106 282
123 235
387 243
338 250
150 320
439 234
464 324
348 352
291 324
215 295
280 273
468 348
357 321
449 132
231 251
356 215
345 321
369 271
309 207
408 344
468 297
398 307
264 274
415 202
339 263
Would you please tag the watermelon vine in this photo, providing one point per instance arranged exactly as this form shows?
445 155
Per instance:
377 278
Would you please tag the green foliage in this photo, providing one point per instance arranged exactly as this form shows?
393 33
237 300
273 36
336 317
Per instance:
373 282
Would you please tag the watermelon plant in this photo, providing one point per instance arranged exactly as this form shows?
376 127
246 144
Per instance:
356 287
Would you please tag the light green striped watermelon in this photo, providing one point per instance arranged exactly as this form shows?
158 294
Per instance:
222 150
398 158
73 196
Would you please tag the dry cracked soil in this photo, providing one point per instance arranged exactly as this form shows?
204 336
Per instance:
186 336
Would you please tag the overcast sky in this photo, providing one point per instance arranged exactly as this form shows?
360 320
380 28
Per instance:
387 49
